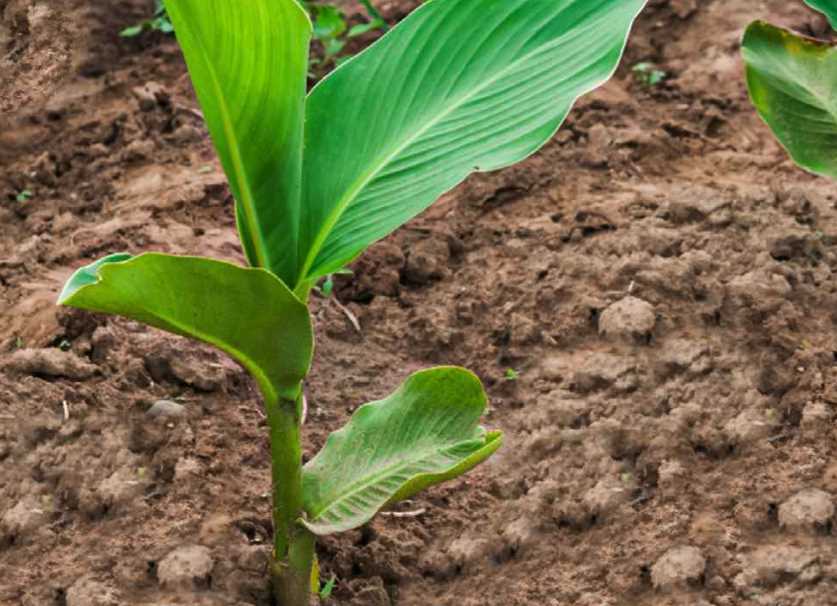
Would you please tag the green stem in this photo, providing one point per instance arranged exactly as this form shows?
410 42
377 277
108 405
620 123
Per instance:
293 544
374 13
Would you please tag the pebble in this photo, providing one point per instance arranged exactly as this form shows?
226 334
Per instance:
677 567
166 409
631 319
187 567
807 509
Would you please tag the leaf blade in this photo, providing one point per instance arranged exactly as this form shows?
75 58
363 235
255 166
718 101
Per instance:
790 79
423 434
247 313
398 125
826 7
249 68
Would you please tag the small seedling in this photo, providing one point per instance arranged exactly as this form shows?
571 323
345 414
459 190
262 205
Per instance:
65 345
24 196
328 588
459 86
19 343
512 374
649 75
160 22
792 79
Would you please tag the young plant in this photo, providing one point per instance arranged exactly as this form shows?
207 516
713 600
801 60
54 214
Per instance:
792 80
160 22
459 86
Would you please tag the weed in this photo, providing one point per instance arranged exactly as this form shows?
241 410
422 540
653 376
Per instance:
649 75
317 178
159 22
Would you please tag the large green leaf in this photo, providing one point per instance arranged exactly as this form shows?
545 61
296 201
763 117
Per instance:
248 61
248 313
423 434
792 82
458 86
827 7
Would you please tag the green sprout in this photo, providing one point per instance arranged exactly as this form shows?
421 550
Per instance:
512 374
24 196
160 22
648 74
328 588
317 178
791 79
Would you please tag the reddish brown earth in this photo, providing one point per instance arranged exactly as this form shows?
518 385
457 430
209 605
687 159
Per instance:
660 276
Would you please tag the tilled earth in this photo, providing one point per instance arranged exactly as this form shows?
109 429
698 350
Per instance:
650 301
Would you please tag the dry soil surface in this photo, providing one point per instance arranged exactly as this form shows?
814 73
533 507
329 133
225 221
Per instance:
660 278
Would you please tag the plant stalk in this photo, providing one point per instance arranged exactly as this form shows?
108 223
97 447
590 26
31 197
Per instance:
293 544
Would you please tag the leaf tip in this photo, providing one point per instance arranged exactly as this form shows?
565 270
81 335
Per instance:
87 276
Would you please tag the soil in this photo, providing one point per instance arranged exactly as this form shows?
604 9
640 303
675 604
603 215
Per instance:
660 278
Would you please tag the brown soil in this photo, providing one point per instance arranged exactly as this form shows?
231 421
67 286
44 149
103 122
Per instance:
660 276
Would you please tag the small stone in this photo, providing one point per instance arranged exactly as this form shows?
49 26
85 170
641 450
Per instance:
166 409
86 591
678 567
50 362
186 567
808 509
631 319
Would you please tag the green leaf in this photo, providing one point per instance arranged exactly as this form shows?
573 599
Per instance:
792 82
329 23
362 28
423 434
132 31
248 313
827 7
249 68
458 86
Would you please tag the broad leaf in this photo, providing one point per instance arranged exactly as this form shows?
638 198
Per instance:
826 7
248 61
792 82
423 434
248 313
458 86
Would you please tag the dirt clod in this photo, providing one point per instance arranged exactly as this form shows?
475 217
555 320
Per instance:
629 318
188 567
50 363
678 567
807 510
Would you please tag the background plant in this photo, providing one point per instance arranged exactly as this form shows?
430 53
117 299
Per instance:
459 86
792 81
331 29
